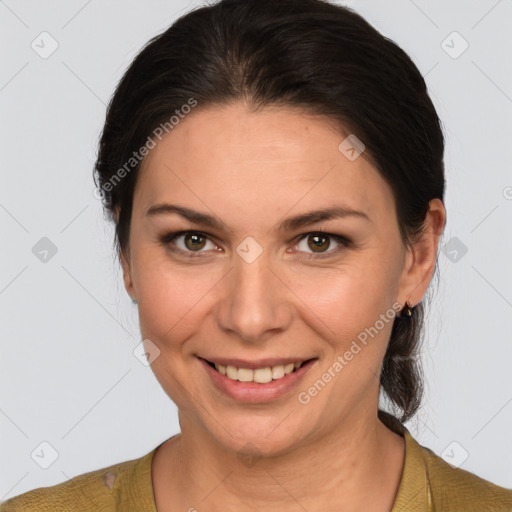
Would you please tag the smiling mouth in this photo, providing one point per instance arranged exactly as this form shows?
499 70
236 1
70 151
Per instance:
259 375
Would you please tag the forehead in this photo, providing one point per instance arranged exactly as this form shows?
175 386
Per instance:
232 160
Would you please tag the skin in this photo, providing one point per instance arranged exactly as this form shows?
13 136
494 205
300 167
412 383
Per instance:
251 170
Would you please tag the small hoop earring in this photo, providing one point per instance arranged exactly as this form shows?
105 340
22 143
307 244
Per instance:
407 310
134 301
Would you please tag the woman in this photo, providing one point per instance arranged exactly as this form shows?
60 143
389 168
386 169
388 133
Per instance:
275 174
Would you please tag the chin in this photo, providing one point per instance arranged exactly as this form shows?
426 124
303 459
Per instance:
258 437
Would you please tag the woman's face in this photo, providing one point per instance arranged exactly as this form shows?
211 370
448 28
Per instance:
254 285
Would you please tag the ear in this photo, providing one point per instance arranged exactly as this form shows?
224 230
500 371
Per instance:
125 262
127 275
421 258
115 214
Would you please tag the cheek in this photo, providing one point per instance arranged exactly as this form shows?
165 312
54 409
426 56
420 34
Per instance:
353 309
351 296
171 300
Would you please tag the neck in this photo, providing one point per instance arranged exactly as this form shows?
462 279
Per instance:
356 467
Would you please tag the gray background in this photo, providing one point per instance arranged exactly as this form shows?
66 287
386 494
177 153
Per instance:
68 375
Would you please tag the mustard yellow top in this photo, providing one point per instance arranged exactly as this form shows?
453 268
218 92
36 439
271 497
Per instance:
427 484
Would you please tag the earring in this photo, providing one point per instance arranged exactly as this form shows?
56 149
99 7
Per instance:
134 301
407 310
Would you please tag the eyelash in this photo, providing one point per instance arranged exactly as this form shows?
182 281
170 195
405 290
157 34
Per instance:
168 239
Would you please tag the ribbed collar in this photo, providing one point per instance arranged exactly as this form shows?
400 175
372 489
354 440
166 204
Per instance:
414 492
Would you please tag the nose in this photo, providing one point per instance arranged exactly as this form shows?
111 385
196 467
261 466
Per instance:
255 302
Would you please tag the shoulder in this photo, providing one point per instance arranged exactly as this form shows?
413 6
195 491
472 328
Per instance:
430 484
116 487
455 489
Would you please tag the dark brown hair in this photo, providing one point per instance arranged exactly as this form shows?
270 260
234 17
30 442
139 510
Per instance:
310 54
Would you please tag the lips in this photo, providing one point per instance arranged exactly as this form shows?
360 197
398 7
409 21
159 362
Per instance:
253 364
256 385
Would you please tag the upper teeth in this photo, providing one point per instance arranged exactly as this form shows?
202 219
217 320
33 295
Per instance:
261 375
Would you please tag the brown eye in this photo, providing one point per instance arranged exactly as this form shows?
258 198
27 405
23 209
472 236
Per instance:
194 241
318 243
189 243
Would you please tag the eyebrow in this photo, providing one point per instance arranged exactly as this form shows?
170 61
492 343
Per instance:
289 224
